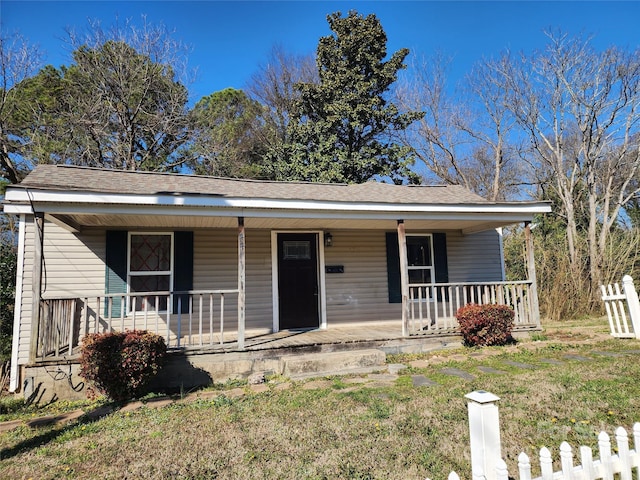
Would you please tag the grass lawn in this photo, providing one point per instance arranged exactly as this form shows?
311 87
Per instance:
355 430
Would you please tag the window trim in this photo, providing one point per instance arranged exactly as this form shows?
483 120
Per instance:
169 272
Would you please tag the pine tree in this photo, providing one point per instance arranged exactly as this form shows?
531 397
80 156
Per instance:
343 127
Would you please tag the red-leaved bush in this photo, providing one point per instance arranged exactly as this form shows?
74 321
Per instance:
485 325
119 365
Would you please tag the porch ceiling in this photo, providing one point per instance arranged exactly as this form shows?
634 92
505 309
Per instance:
83 221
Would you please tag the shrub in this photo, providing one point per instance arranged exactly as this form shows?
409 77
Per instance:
119 365
485 325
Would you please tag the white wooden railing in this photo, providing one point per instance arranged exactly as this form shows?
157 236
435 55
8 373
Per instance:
619 462
433 306
623 308
64 321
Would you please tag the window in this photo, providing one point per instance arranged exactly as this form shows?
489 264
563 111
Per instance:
296 250
420 259
150 268
427 261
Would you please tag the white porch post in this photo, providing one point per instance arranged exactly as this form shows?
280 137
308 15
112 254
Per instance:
241 282
36 283
531 273
484 434
404 277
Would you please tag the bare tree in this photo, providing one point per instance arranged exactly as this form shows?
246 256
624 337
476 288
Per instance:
18 61
464 137
125 96
273 85
579 108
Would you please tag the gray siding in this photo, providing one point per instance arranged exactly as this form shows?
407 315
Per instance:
474 258
360 294
74 265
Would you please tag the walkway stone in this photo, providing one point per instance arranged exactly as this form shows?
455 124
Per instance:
520 365
382 377
577 358
607 354
492 370
260 388
54 419
551 361
419 363
158 402
317 384
422 381
395 368
456 372
131 406
10 425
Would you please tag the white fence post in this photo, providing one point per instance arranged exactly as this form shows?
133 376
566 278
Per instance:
484 432
633 303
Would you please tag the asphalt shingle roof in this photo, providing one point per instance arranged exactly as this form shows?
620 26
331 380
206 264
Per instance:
85 179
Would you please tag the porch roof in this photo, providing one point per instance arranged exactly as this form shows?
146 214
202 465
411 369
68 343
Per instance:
79 197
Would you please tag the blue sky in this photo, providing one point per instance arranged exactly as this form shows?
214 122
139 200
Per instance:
229 40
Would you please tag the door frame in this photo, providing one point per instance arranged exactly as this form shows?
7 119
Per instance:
322 297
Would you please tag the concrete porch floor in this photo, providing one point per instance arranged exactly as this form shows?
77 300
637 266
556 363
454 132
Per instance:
387 337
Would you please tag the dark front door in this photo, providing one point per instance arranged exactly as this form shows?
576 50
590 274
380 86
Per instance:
298 280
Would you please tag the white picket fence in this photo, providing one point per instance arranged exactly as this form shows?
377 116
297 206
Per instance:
486 451
623 308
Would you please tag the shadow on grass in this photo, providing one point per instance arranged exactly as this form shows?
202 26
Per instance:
50 435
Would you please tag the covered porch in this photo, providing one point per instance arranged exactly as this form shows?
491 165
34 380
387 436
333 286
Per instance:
242 264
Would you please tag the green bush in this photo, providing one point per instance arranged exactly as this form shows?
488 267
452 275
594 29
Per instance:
485 325
119 365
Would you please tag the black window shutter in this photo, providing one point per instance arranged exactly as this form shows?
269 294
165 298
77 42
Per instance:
393 268
182 269
116 269
440 257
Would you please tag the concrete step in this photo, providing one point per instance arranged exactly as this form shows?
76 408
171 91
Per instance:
332 363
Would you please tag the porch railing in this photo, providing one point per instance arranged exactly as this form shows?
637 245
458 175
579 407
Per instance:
193 318
433 307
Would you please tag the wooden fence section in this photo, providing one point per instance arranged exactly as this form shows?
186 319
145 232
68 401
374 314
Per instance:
65 321
433 306
623 308
618 463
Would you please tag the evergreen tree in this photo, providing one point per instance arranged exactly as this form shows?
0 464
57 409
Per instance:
344 126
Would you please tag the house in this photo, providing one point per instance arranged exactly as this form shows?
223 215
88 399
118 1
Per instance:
211 263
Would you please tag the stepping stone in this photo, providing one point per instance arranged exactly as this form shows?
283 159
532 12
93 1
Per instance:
259 388
520 365
383 377
577 358
355 380
395 368
99 412
159 403
11 425
129 407
419 363
422 381
458 373
316 384
282 386
551 361
608 354
491 370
